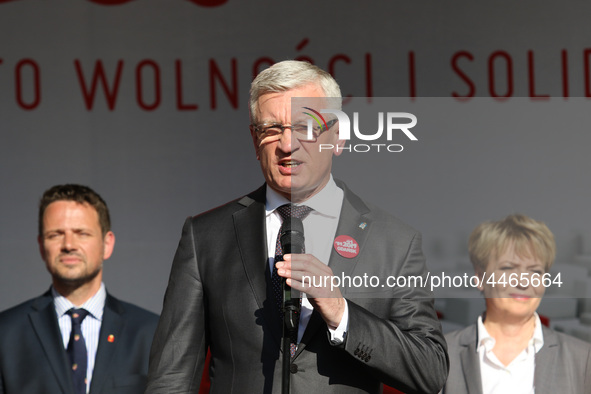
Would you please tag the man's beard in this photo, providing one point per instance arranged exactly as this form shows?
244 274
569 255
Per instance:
79 281
75 282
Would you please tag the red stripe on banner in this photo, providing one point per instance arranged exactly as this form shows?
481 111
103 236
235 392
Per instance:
140 87
462 74
412 77
564 73
32 70
302 44
586 54
110 2
178 78
508 74
532 80
89 89
368 76
216 74
209 3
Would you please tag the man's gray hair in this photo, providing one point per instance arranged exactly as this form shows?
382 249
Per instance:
287 75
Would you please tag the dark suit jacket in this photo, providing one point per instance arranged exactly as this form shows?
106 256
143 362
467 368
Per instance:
218 297
33 359
563 364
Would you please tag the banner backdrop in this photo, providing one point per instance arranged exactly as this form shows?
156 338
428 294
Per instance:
146 102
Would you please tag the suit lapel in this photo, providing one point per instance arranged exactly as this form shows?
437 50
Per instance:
470 361
44 321
545 364
112 324
249 225
354 222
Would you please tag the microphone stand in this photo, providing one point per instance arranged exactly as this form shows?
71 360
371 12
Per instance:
291 309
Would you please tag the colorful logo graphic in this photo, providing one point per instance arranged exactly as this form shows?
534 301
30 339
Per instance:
316 118
320 125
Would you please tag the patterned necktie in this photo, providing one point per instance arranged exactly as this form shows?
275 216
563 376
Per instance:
286 212
77 350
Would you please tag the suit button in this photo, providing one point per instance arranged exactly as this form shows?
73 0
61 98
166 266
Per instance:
367 358
293 368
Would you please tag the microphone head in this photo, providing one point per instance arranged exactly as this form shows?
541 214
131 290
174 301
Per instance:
293 224
292 236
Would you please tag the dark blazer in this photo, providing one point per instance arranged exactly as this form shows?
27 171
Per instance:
218 297
33 359
563 364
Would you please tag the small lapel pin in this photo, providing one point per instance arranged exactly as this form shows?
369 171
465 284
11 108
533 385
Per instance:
363 225
111 338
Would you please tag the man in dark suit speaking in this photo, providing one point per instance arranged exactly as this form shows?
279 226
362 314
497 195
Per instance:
76 338
223 294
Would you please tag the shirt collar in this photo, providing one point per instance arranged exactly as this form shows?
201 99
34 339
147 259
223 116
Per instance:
95 305
484 338
326 202
538 338
488 342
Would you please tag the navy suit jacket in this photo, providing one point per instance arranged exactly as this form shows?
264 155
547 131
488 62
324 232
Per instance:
219 297
33 359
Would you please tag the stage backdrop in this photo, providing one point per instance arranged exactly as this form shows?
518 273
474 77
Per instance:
145 101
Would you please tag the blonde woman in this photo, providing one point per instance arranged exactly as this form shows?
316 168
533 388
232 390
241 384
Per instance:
508 350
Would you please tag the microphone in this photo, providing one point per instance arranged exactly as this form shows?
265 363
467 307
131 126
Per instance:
292 236
292 242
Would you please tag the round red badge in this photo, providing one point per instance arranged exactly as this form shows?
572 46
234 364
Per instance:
346 246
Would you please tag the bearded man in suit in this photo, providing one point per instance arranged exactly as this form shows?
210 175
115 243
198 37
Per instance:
76 338
222 292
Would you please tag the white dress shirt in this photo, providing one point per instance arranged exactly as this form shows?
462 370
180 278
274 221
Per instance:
91 325
518 376
319 229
